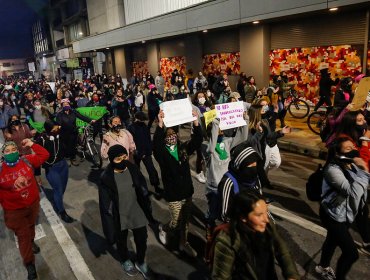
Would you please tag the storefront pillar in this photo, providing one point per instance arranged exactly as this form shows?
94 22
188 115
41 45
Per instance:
120 61
193 52
152 50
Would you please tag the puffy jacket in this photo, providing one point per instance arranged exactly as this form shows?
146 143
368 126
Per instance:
342 199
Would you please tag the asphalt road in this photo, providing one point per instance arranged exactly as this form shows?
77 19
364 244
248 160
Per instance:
79 250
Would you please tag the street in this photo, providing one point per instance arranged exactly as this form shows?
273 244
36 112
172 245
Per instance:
79 250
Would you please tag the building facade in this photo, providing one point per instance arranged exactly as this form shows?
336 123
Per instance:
260 38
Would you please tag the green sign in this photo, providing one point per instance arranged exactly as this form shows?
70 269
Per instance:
73 63
94 113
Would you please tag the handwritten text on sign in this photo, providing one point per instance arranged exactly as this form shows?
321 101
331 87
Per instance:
230 115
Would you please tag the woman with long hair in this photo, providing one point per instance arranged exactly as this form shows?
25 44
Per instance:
250 243
344 195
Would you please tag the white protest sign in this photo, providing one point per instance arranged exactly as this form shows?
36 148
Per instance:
177 112
52 86
231 115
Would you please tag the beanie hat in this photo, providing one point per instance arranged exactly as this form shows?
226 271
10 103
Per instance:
6 144
116 151
243 154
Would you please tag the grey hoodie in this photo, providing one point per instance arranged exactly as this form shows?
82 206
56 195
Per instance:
343 203
216 167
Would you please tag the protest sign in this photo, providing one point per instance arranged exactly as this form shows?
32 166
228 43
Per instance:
94 113
231 115
177 112
209 116
360 96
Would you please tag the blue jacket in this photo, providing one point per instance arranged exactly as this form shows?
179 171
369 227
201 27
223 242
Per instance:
344 199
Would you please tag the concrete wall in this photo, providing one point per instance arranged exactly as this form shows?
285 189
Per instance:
193 52
212 14
172 47
120 61
153 58
254 52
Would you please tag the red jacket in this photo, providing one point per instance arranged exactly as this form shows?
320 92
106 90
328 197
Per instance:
18 187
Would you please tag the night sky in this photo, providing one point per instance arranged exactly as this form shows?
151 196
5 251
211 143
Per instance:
16 19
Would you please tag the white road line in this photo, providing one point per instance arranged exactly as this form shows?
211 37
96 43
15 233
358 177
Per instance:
76 262
297 220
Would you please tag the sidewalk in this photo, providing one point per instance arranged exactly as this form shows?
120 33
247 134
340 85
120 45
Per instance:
301 140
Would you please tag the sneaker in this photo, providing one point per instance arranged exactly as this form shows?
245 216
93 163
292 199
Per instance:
326 273
35 248
187 249
143 269
200 177
162 235
31 270
129 268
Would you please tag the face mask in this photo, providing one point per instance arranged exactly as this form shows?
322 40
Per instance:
96 99
248 174
13 97
12 157
352 154
119 166
209 94
361 128
117 127
37 107
201 100
66 108
67 95
265 109
171 140
15 122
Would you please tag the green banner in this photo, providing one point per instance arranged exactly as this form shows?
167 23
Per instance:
94 113
39 126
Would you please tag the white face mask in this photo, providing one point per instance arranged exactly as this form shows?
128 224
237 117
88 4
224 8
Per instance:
202 100
209 94
37 107
265 108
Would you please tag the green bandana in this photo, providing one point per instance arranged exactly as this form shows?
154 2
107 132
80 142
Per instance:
173 152
220 150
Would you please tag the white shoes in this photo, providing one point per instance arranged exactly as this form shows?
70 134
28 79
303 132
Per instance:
200 177
326 273
162 235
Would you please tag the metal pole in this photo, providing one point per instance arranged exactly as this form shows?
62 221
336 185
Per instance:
366 41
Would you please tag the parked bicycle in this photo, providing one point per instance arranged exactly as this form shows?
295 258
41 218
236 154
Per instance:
297 108
86 144
317 120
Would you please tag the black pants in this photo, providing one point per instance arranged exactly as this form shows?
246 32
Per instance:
140 238
323 99
70 141
152 116
337 235
362 222
199 161
148 162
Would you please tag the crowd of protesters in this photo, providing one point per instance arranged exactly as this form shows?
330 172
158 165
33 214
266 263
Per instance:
233 164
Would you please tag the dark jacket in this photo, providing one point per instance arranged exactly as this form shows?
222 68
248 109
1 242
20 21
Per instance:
325 85
141 134
68 121
108 199
339 99
227 263
176 176
152 100
55 148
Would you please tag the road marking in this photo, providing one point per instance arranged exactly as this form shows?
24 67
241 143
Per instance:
76 262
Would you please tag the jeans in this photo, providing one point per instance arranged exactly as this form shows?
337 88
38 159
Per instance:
22 222
140 238
337 235
57 176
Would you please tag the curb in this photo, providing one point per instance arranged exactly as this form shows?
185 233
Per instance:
316 152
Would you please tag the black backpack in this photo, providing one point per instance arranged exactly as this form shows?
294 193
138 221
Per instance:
314 184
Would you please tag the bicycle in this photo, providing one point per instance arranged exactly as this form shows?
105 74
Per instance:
297 108
317 120
86 143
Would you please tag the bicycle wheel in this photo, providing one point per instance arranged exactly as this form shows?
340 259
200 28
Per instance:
315 120
298 108
94 154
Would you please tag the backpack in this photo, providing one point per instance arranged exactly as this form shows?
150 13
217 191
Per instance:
314 184
210 249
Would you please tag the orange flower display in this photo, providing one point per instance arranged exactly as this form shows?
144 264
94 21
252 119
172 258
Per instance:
222 62
303 65
140 67
169 64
